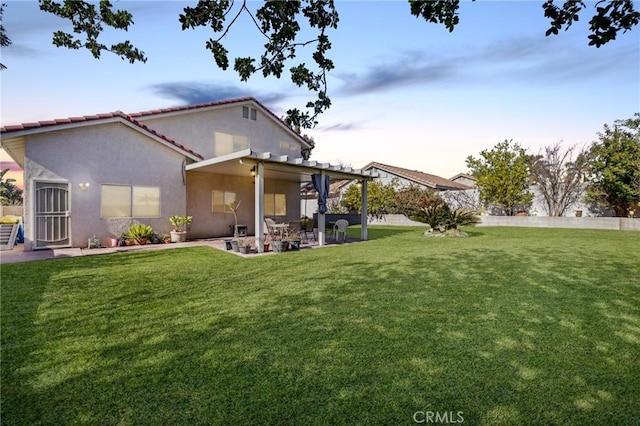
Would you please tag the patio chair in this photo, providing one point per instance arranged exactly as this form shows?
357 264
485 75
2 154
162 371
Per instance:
340 227
309 229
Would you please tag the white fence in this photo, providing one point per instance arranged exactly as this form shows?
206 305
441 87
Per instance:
619 223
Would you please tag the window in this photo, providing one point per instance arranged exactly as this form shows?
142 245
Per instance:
226 144
275 204
290 148
220 199
249 112
130 201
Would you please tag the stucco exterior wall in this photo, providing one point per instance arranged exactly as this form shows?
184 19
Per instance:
196 129
105 154
208 224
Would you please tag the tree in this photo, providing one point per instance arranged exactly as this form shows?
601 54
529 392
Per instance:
280 23
559 177
380 198
414 201
614 167
426 206
4 39
502 177
10 194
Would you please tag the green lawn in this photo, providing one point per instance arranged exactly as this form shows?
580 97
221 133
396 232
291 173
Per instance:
510 326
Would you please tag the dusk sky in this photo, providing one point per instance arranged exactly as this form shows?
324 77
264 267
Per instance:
404 92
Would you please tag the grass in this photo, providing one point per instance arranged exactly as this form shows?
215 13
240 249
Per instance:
509 326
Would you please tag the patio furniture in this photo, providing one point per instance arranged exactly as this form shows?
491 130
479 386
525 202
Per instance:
308 229
340 227
277 231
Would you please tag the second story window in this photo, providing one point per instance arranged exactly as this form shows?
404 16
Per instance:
249 113
290 148
225 143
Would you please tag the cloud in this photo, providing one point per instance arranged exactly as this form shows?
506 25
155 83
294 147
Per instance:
404 71
190 92
340 127
519 60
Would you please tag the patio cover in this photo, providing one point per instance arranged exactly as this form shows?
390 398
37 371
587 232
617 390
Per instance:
282 167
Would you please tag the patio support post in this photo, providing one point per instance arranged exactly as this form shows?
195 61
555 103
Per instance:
364 212
259 209
321 218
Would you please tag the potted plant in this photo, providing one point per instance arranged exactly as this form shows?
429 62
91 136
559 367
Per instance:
139 233
180 224
294 240
245 246
279 245
117 228
233 206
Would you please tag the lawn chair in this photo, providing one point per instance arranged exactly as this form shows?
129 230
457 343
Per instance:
339 228
309 229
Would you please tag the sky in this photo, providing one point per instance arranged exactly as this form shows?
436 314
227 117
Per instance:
404 92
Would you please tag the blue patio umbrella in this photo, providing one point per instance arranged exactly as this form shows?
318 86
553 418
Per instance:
322 194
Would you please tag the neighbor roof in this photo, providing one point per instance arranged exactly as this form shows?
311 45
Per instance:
418 177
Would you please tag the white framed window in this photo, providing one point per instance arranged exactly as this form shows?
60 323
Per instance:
129 201
251 113
225 143
220 200
275 204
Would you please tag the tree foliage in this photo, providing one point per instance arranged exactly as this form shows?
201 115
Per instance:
502 177
380 198
426 206
10 194
559 177
280 23
4 39
414 201
614 167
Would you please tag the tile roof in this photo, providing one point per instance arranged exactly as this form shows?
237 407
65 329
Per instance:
97 117
417 176
132 118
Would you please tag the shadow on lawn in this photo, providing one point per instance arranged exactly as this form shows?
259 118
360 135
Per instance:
496 338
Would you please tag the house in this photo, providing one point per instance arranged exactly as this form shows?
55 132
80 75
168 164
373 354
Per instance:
83 173
385 174
405 177
465 179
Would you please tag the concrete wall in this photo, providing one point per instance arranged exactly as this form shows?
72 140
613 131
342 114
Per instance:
105 154
11 211
620 223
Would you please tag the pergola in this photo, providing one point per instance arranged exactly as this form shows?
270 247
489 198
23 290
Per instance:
266 165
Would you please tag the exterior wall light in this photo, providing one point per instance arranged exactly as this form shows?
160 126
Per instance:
84 186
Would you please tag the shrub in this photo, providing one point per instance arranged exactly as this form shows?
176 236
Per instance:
139 233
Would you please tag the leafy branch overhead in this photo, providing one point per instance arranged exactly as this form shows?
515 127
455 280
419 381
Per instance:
279 22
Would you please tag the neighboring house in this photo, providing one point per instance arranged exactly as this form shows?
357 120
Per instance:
405 177
465 179
309 197
385 174
82 172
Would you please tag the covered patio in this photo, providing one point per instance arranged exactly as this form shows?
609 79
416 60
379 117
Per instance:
262 166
